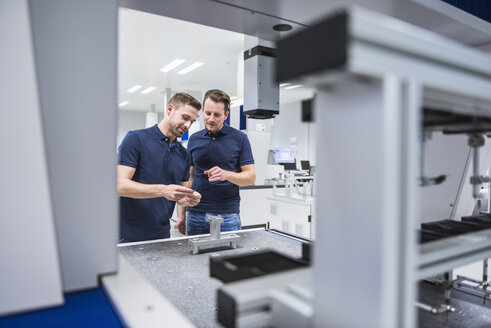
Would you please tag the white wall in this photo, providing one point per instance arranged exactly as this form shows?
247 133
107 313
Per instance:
444 154
287 125
29 269
75 48
129 120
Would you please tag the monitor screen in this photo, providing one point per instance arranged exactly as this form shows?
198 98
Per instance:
305 165
284 155
289 166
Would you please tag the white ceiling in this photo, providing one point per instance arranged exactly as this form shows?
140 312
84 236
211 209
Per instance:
256 17
147 42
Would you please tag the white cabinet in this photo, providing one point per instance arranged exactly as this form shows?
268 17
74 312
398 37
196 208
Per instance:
254 207
293 215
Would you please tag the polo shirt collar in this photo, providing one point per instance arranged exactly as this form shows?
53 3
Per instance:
224 130
158 134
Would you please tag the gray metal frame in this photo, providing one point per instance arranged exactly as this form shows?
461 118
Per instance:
370 112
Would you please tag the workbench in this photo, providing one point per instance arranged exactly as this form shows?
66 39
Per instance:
184 279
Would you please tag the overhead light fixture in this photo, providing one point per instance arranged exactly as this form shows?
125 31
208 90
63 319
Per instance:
173 64
134 88
233 98
148 90
282 27
123 103
293 86
284 85
189 68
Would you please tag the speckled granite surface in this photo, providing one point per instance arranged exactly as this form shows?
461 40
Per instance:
184 278
466 315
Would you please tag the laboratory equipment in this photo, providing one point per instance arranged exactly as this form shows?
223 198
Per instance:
215 239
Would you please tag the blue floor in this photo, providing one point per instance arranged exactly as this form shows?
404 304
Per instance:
82 309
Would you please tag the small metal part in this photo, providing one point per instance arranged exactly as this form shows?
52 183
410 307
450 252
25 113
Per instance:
427 181
215 239
215 222
424 180
485 282
475 140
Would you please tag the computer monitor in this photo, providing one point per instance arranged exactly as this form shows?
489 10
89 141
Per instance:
289 166
284 155
305 165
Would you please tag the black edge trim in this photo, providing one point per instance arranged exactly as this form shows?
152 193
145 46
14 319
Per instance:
320 47
307 111
253 226
234 268
307 252
259 51
227 309
261 113
290 235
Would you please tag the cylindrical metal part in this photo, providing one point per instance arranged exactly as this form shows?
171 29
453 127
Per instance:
426 307
475 173
485 272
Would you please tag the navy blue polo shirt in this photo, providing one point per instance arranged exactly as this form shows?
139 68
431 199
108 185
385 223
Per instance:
156 162
229 149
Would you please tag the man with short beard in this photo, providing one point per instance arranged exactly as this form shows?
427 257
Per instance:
153 169
221 161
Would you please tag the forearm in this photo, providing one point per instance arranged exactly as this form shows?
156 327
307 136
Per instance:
182 212
133 189
243 178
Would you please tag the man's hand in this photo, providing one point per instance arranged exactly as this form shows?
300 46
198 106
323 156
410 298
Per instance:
216 174
181 225
191 200
177 192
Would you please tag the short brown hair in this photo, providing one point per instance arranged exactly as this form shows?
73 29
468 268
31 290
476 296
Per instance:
218 96
182 99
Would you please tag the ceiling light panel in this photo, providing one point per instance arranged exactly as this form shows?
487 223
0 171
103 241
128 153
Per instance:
134 88
173 64
123 103
190 68
148 90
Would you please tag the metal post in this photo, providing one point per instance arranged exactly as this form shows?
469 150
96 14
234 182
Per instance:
215 222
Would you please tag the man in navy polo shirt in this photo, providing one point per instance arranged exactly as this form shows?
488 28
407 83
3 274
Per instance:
221 161
152 173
